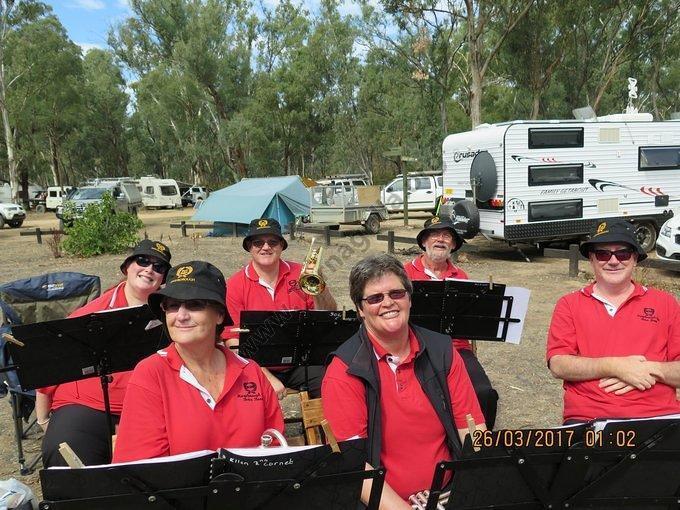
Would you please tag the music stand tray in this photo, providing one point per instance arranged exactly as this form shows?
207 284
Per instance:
313 478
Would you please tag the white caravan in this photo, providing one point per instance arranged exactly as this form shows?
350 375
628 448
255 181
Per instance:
160 192
537 181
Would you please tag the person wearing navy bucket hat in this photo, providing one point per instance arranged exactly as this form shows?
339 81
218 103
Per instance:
196 394
615 343
73 412
438 240
269 283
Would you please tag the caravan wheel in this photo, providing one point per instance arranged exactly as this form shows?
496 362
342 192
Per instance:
645 233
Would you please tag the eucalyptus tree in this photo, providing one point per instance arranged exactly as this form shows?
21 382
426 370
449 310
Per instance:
14 15
207 42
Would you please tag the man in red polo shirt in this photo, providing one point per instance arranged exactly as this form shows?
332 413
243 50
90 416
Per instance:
402 387
270 283
616 343
438 240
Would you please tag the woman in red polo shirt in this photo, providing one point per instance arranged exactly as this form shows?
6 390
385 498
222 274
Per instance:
74 412
196 394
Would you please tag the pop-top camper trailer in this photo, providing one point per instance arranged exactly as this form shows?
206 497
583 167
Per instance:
537 181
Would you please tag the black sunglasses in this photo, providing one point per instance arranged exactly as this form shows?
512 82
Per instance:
259 243
192 305
159 267
621 255
395 294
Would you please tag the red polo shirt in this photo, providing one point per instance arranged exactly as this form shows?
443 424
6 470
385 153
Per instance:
88 392
246 292
167 412
417 271
413 438
647 324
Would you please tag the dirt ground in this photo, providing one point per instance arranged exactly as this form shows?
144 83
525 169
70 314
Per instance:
529 396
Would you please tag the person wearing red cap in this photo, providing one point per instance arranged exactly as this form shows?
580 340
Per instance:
615 343
401 386
269 283
74 412
438 240
196 394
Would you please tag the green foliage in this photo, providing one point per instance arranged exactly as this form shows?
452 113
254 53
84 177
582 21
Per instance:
101 229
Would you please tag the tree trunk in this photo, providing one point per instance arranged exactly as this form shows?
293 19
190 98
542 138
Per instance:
536 104
476 98
443 116
54 161
9 139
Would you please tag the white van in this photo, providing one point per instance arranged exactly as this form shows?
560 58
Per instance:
55 197
160 193
125 193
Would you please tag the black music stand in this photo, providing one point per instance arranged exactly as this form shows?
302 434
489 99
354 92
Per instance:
311 478
594 468
95 345
463 308
294 338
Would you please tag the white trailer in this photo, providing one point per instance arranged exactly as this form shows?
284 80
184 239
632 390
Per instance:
160 192
539 181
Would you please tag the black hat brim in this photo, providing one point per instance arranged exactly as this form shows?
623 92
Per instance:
186 293
586 247
438 226
273 232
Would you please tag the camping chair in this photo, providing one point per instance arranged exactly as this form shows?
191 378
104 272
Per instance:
37 299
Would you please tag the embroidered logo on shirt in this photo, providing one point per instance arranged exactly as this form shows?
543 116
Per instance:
251 393
649 315
293 286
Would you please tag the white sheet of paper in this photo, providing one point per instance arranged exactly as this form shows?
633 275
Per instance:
520 305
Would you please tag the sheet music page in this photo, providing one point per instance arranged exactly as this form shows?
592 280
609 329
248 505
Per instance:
274 450
599 425
157 460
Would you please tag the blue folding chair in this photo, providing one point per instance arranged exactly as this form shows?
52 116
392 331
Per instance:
37 299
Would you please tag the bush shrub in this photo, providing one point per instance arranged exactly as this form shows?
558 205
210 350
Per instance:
101 229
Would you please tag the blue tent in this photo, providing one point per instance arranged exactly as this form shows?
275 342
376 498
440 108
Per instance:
233 207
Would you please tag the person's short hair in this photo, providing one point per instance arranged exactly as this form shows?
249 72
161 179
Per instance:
372 267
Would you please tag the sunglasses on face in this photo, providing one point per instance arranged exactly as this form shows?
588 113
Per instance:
192 305
621 255
395 294
159 267
259 243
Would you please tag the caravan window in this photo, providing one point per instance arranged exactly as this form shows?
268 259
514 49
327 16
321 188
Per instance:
149 190
555 210
168 191
545 175
659 158
555 138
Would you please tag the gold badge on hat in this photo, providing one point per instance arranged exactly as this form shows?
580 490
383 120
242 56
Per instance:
435 219
184 271
160 247
262 224
601 228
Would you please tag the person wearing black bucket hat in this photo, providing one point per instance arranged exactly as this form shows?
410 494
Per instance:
615 343
269 283
438 240
74 412
196 394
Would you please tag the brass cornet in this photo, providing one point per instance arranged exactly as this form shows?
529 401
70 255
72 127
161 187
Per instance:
310 280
